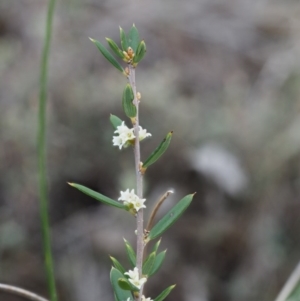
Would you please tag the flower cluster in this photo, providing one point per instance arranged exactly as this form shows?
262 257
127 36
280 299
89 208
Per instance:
131 199
126 135
135 279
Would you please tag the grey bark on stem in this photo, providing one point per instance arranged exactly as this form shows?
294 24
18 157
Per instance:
14 290
139 180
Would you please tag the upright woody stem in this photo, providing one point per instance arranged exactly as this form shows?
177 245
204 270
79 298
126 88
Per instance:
139 179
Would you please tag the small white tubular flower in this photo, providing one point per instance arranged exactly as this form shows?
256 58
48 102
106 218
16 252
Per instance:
138 204
146 299
134 278
133 274
128 197
118 141
121 128
125 134
143 133
138 282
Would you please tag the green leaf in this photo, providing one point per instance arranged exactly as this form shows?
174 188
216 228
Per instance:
130 253
133 38
159 259
128 107
124 41
157 153
124 284
98 196
155 247
115 121
170 218
148 264
164 293
140 52
117 264
107 55
114 47
120 294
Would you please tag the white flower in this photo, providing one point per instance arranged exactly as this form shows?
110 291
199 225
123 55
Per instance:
146 299
129 197
125 134
138 204
138 282
121 128
118 141
133 274
134 278
143 133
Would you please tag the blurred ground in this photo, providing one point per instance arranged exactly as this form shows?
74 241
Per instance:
224 75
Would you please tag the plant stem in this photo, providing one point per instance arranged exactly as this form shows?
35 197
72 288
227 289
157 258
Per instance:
42 173
139 180
14 290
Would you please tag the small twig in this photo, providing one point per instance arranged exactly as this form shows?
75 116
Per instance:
20 292
156 208
290 285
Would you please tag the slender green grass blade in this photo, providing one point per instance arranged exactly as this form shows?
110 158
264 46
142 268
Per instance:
42 169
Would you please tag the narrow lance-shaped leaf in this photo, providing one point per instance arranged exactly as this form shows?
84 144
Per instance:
128 107
133 38
124 41
157 153
107 55
98 196
130 253
159 259
117 265
120 294
140 52
115 121
164 293
170 218
148 264
114 47
155 247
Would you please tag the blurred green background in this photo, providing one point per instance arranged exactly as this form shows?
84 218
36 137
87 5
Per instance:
224 75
